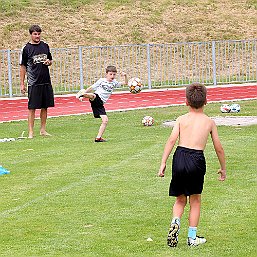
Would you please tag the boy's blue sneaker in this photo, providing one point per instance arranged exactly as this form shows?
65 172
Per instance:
172 239
197 241
3 171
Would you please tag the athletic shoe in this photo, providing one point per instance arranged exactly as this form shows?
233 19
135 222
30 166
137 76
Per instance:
80 94
172 239
197 241
3 171
100 139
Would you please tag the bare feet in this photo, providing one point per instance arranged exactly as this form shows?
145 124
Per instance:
45 134
30 135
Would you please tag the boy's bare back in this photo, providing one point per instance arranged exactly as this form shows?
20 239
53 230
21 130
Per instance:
194 129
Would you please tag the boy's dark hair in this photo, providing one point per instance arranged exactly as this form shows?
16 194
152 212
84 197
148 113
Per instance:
34 28
111 68
196 95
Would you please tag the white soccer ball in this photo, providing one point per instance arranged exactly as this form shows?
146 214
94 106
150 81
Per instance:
135 85
235 108
148 121
225 108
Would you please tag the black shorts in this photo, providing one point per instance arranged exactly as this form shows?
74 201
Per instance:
41 96
97 106
188 170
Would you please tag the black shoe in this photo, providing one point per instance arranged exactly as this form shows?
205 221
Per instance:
172 239
100 139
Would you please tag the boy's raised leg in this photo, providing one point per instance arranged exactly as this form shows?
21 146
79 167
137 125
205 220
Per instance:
81 93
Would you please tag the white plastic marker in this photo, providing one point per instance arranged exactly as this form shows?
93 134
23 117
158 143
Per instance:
7 139
149 239
12 139
22 135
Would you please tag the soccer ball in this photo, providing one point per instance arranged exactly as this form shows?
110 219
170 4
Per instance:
235 108
135 85
225 108
147 121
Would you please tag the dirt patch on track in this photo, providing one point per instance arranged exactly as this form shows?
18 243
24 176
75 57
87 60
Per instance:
226 121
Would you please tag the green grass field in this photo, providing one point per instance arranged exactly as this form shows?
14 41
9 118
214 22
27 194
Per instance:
68 196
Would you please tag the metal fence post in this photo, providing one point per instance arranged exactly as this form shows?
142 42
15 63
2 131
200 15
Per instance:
9 72
81 78
149 66
214 63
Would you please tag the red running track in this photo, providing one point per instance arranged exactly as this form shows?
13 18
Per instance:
16 108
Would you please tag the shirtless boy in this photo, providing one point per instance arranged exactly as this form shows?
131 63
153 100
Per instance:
188 164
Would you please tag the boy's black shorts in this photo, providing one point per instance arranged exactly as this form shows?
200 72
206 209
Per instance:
97 106
40 96
188 170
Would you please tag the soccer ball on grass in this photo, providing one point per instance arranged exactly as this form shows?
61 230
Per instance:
148 121
235 108
224 108
135 85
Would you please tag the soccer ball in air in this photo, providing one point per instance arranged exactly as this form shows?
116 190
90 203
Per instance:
235 108
147 121
225 108
135 85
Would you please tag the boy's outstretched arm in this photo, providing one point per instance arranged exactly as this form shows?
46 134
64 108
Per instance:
124 74
168 148
219 151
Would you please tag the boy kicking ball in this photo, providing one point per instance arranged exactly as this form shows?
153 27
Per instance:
188 164
103 89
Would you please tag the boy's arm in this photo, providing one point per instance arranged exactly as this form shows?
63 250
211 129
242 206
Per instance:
22 78
219 151
168 148
48 62
125 78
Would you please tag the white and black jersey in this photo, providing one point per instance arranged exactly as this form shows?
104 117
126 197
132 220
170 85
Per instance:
105 88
